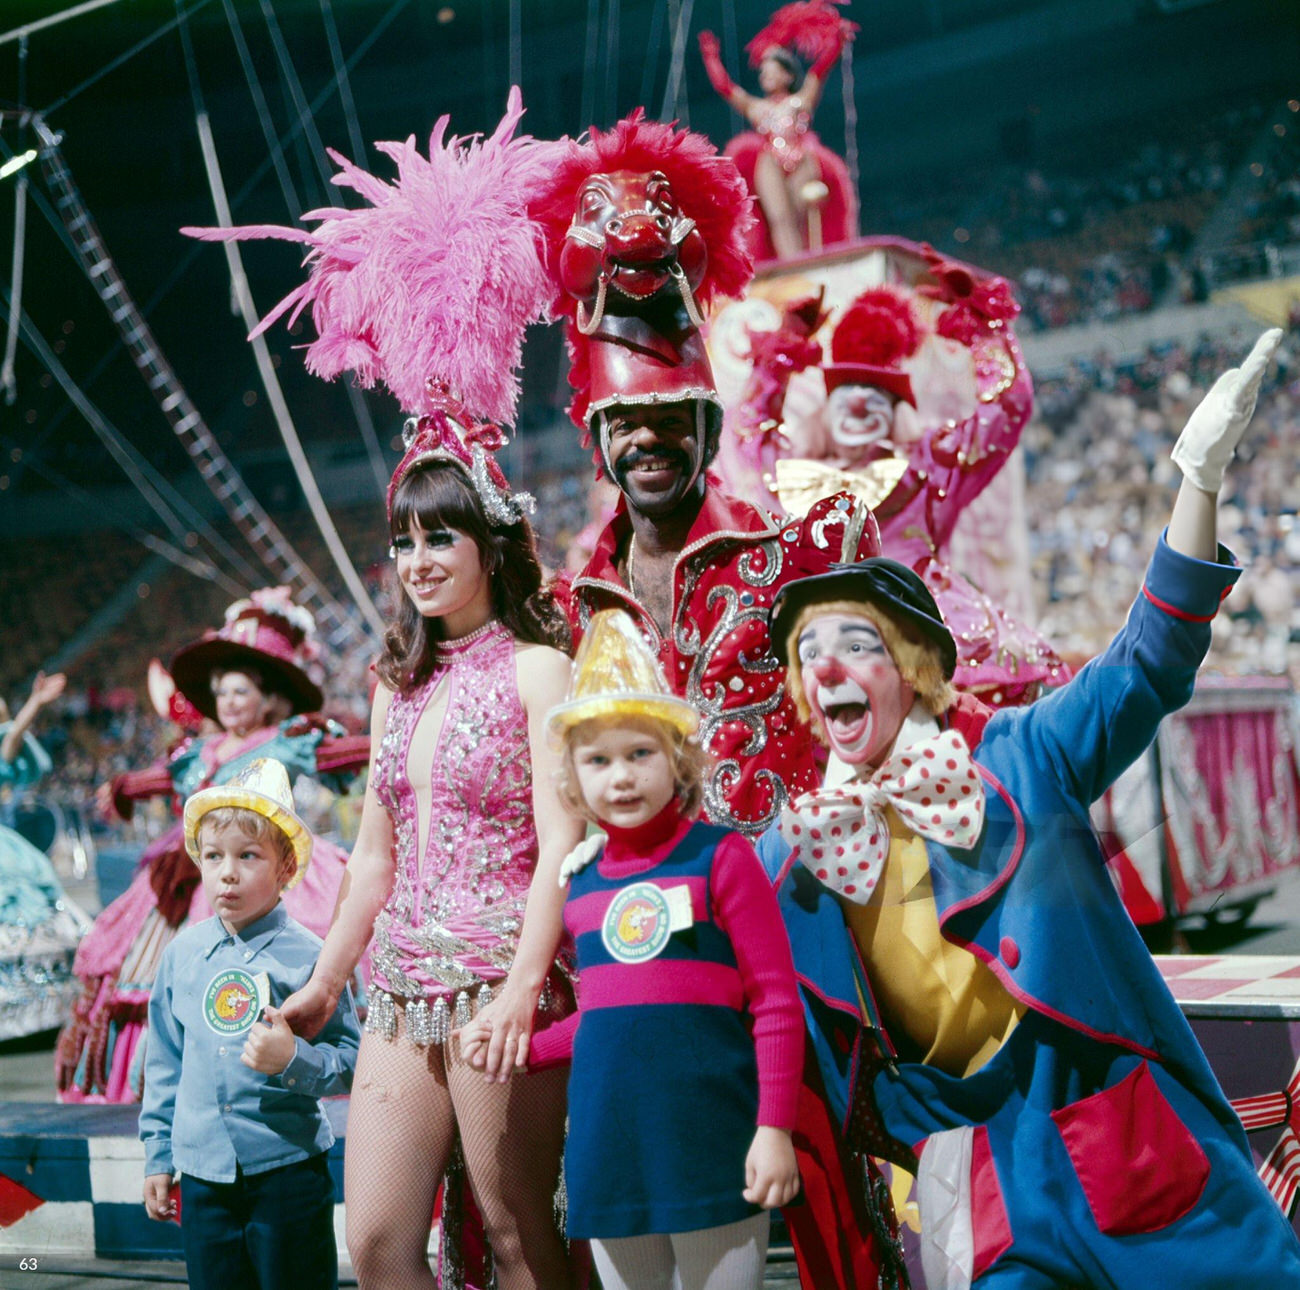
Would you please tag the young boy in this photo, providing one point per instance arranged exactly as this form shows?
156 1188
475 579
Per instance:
231 1095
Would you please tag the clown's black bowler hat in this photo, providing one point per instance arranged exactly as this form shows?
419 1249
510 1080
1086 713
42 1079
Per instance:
878 581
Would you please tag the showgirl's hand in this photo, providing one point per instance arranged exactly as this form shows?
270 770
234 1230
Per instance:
307 1010
709 46
270 1045
1212 432
771 1173
508 1021
104 801
45 689
474 1039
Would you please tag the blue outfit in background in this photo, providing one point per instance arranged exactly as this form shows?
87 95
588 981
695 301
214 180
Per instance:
39 926
1096 1147
228 1128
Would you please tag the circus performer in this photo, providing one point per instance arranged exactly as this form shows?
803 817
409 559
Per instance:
39 925
917 477
249 678
682 952
461 810
973 988
645 226
803 188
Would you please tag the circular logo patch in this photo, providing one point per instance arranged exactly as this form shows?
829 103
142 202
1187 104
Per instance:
230 1002
636 923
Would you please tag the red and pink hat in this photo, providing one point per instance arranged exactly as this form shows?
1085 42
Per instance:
266 632
877 332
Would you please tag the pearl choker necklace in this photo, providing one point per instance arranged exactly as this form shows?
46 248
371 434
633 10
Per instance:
460 643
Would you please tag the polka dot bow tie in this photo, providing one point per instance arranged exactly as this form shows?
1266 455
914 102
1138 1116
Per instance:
841 834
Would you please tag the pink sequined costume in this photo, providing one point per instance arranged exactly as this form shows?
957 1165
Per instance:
451 924
785 131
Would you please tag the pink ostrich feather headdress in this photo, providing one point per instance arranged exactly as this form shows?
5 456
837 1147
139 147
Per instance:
436 279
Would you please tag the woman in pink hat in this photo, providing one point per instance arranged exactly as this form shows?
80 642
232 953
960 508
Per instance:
249 679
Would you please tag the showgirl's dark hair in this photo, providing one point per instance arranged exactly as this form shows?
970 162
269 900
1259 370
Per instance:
788 59
439 495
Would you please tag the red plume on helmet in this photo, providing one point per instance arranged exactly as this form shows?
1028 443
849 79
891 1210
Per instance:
703 211
877 332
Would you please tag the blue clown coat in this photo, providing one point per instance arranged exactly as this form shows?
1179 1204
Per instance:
1033 900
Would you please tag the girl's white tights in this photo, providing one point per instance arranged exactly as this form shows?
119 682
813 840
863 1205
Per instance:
716 1258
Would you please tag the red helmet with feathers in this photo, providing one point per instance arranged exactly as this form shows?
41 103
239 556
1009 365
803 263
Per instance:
705 215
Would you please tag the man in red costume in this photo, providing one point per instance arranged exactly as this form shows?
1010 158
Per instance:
646 226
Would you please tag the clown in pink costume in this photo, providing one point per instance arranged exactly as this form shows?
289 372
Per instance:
917 478
428 288
248 678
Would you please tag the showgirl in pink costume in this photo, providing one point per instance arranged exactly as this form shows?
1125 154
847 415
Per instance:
918 480
428 289
247 678
802 187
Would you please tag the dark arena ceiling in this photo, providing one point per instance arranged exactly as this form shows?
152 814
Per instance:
940 88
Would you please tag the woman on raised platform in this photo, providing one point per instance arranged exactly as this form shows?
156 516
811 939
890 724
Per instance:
803 189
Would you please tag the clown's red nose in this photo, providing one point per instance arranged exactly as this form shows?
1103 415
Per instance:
828 670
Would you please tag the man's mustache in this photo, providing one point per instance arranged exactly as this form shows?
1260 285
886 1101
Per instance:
637 456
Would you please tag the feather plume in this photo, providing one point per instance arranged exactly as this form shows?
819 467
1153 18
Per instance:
814 29
878 329
435 278
707 186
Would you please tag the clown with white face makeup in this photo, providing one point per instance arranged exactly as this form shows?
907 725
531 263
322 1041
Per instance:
990 1008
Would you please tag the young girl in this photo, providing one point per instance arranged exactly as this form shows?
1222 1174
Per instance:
688 1046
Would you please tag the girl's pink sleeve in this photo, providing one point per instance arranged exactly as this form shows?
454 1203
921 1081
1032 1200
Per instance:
553 1045
746 909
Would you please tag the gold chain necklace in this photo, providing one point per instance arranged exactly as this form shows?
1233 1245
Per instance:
631 569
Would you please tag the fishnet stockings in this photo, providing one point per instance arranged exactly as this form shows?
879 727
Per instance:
407 1105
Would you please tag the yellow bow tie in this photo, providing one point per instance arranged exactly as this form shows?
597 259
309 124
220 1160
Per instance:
801 482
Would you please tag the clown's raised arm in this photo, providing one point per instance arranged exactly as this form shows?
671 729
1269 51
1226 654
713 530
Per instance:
1092 729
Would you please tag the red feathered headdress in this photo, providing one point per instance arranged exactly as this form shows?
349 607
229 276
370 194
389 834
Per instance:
814 29
712 231
877 332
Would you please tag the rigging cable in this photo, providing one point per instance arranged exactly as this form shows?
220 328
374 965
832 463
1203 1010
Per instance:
270 382
677 105
7 380
345 85
306 119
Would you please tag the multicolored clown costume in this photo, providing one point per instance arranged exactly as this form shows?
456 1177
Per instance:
973 988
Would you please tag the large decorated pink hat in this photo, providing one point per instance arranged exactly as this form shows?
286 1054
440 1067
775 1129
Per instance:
266 632
877 334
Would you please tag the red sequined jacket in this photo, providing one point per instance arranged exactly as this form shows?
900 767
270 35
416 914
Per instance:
717 656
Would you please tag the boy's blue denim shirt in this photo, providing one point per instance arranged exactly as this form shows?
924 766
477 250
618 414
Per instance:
204 1112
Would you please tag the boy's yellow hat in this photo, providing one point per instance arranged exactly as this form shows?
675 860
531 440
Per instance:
262 787
615 674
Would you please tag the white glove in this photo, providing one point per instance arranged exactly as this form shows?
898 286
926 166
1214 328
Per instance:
1210 437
